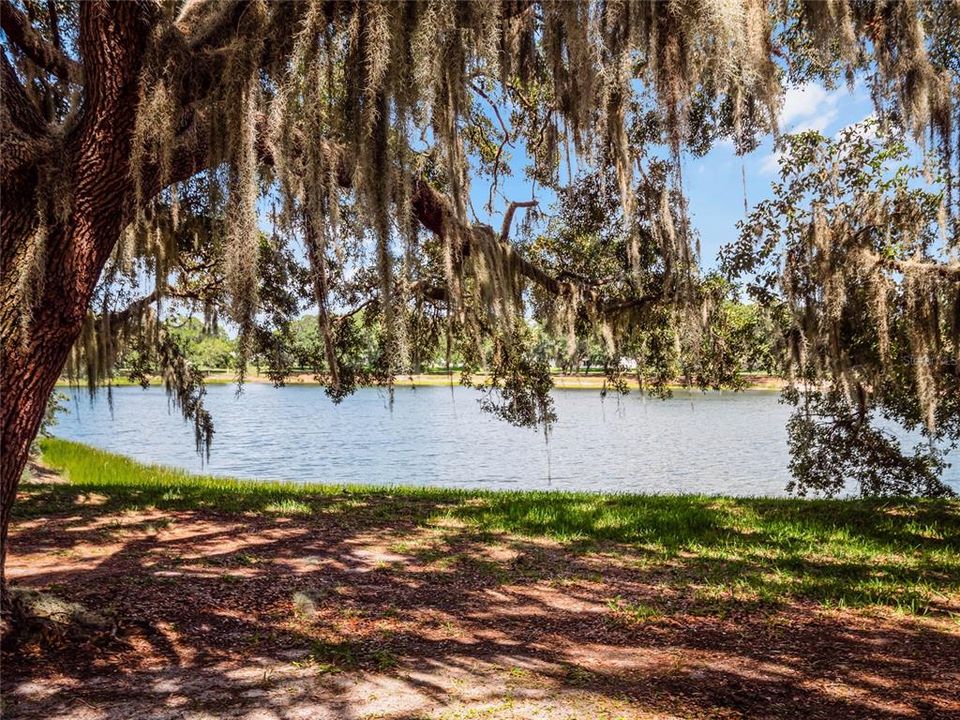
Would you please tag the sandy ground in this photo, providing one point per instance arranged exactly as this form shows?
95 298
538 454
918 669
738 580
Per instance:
253 617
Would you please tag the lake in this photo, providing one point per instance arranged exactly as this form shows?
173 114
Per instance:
724 443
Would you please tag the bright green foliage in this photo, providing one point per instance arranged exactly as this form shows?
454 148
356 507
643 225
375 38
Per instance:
207 348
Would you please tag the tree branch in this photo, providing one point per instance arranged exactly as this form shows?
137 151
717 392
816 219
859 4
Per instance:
23 134
508 216
201 27
632 303
137 306
428 291
946 269
353 311
49 57
134 308
54 24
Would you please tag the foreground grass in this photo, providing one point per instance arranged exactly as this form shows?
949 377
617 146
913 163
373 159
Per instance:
724 551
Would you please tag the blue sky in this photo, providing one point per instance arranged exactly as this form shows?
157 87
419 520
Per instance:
714 184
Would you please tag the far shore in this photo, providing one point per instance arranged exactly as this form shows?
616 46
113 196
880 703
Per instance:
561 381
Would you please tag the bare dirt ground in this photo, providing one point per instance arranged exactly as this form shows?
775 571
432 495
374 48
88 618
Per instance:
261 618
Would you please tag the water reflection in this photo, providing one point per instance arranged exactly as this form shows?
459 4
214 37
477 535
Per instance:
729 443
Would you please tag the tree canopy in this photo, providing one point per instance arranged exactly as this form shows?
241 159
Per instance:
853 250
251 160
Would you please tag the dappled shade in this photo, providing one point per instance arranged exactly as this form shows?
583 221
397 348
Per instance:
405 600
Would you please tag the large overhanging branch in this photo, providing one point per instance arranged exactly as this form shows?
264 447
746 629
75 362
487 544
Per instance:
44 55
431 208
136 307
947 269
434 211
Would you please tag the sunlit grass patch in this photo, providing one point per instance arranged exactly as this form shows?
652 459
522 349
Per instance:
288 506
902 554
631 612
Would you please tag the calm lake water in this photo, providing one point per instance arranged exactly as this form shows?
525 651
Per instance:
729 443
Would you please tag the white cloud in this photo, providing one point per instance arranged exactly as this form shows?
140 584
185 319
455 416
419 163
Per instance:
771 163
809 107
819 122
868 132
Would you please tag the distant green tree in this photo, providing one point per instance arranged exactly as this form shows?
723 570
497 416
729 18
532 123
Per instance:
305 343
756 335
204 346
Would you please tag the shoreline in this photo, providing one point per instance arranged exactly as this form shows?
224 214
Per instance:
561 382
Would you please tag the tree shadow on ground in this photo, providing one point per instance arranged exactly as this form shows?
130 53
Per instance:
356 605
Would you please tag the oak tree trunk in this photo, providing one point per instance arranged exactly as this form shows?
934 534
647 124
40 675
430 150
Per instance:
95 155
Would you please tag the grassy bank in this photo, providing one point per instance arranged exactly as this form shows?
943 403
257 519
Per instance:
904 554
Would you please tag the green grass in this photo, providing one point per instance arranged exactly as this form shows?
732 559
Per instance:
726 551
213 377
631 612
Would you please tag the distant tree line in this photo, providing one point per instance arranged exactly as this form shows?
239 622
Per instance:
752 337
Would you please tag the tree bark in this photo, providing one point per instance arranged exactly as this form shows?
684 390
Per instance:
96 156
